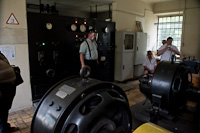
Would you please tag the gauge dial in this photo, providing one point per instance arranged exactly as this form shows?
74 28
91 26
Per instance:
106 30
82 28
73 27
49 26
90 27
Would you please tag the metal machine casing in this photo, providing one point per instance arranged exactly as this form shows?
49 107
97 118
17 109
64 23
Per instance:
78 106
170 81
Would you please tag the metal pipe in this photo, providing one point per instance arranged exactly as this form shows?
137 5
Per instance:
91 12
110 17
40 5
96 11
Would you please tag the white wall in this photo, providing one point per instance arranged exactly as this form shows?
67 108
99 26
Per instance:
16 35
125 13
190 45
191 34
151 27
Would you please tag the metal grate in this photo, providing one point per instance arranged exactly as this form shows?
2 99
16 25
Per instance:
170 27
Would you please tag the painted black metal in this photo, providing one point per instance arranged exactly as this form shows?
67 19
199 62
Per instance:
193 65
168 88
168 92
170 81
92 106
58 49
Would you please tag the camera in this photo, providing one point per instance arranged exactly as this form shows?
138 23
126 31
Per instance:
169 47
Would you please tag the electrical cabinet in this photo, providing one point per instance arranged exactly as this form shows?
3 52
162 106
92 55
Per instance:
124 55
130 54
140 53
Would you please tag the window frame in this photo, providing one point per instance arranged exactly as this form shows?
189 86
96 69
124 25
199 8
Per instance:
176 40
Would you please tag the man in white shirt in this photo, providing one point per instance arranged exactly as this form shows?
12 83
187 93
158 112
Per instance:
164 42
89 54
149 64
167 50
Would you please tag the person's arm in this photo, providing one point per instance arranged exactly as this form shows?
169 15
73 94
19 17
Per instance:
154 68
175 51
155 65
97 62
82 60
160 52
147 68
152 71
82 51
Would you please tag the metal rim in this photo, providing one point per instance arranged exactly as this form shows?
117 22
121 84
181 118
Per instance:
85 72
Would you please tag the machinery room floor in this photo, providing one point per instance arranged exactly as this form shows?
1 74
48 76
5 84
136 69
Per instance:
23 118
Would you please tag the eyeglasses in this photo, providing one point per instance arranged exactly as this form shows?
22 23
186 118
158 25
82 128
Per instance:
93 33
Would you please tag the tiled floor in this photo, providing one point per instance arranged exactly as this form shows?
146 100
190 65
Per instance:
23 118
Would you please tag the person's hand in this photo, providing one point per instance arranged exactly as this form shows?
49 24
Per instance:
171 49
152 71
82 65
166 47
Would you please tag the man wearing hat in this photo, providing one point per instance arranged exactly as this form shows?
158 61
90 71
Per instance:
89 54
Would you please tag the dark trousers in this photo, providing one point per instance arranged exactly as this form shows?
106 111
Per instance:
94 69
7 93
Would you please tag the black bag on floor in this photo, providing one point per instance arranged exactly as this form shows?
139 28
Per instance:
19 79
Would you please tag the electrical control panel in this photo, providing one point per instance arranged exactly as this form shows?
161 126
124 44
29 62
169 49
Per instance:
54 43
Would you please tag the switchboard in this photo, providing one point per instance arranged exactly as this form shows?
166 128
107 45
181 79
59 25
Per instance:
54 48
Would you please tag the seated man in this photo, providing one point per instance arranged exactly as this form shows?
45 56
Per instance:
149 64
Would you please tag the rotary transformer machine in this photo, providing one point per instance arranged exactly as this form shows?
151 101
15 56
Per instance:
168 90
74 105
81 105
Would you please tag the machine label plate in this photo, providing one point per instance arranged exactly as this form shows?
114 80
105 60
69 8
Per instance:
64 91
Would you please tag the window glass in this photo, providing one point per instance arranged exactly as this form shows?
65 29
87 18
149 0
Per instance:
173 19
128 42
164 19
177 19
170 27
160 20
181 18
168 19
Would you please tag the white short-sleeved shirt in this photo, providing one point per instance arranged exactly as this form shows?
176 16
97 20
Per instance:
168 53
149 64
93 49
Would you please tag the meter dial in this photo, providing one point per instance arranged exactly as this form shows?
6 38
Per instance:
82 28
90 27
49 26
106 30
73 27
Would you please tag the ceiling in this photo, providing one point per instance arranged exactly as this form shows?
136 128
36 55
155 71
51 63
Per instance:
83 5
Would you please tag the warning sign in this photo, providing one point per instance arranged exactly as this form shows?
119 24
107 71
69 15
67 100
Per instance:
12 19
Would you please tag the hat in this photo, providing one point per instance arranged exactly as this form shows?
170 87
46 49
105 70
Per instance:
92 30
